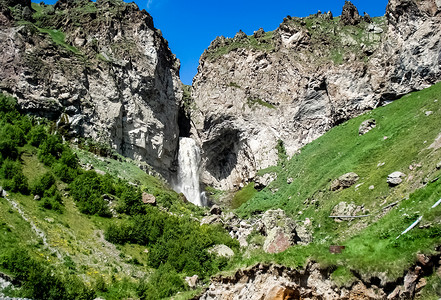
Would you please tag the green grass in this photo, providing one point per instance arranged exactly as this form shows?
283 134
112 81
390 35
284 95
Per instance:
243 195
401 139
58 37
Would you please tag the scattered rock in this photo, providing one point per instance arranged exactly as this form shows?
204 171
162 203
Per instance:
264 180
290 180
374 29
213 219
148 199
37 197
215 210
371 187
349 15
346 209
366 126
428 113
192 281
424 260
1 191
222 250
49 220
344 181
438 165
394 179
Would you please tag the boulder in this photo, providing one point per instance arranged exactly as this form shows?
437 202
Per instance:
148 199
394 179
366 126
282 232
438 165
215 210
264 180
37 197
192 281
222 250
277 241
349 15
344 181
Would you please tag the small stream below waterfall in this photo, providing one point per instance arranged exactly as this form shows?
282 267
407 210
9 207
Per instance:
187 181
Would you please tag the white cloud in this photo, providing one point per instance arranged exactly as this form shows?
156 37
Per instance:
149 3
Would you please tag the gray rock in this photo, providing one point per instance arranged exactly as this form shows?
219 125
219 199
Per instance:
395 178
345 209
148 199
264 180
192 281
239 139
438 165
366 126
215 210
344 181
240 35
213 219
37 197
222 250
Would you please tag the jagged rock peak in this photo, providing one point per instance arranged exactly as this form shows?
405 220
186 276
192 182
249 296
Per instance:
349 15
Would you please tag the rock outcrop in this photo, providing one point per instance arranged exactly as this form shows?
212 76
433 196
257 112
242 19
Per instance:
313 282
297 82
100 68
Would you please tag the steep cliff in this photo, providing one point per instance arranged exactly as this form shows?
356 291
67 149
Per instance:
101 67
289 86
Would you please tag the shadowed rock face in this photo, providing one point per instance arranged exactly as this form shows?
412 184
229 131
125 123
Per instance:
113 76
306 77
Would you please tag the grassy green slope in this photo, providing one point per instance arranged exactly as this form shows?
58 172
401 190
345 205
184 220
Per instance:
405 139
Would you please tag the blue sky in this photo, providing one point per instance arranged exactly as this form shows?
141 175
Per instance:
190 26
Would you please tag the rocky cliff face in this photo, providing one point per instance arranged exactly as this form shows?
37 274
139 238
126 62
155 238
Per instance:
101 67
310 74
273 282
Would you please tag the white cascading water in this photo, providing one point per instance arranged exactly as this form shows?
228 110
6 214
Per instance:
189 158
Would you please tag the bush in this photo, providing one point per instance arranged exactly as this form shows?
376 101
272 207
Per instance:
50 149
87 191
43 184
39 281
9 169
164 282
37 135
13 133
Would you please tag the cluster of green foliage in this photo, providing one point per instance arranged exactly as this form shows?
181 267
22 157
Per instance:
39 281
179 242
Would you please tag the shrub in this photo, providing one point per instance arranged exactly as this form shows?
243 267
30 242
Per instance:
164 282
37 135
13 133
87 191
43 183
9 169
50 149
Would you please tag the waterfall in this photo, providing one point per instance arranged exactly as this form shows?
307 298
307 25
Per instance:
189 158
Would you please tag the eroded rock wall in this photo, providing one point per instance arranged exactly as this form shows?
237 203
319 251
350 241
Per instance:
307 76
105 69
